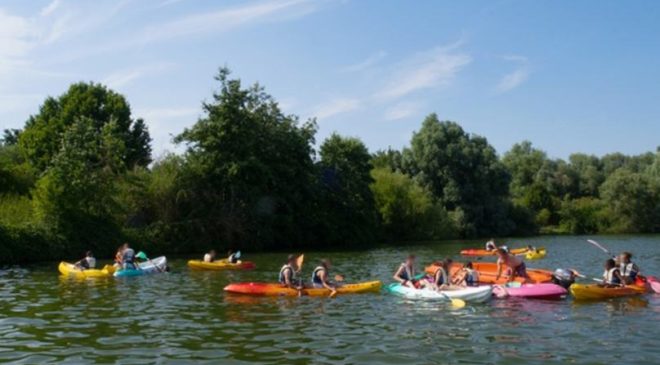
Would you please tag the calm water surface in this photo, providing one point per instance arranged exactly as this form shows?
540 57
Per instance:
184 317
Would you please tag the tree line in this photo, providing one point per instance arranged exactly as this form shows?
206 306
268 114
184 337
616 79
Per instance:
80 175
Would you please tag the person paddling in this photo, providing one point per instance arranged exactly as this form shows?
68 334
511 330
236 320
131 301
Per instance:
467 276
321 277
288 272
209 256
128 258
87 262
627 268
612 275
405 274
232 257
516 264
490 245
440 278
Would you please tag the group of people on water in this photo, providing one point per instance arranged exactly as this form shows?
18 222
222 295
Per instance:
232 256
439 279
290 271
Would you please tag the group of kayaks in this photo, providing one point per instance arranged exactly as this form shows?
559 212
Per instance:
530 254
540 284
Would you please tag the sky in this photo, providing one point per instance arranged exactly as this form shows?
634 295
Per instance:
569 76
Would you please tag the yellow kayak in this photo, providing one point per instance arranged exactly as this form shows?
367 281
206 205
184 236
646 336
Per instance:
536 255
274 289
71 270
594 291
220 265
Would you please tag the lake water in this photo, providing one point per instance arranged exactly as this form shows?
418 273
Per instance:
184 317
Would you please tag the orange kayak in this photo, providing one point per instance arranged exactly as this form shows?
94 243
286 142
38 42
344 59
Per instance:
276 289
488 271
482 252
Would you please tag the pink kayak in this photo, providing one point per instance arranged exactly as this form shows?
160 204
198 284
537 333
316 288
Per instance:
655 283
532 291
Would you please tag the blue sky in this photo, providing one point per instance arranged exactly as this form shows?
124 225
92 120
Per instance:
568 76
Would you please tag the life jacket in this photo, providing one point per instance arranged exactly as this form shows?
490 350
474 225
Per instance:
91 262
490 246
284 268
232 258
408 273
443 277
610 278
472 277
128 256
316 278
628 270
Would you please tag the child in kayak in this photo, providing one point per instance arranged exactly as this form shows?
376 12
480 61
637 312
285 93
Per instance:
405 274
440 279
531 248
612 275
119 260
467 276
627 268
88 262
209 256
516 264
128 258
321 277
232 257
288 273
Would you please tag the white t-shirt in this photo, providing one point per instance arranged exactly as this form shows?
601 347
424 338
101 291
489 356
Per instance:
208 258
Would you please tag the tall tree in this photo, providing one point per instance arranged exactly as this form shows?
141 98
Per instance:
464 172
43 132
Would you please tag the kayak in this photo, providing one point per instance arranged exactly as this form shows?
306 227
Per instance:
276 289
482 252
220 265
159 264
536 255
488 271
475 294
595 292
654 283
531 291
71 270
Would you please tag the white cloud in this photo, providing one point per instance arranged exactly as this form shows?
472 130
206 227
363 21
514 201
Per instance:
515 78
401 110
124 77
167 113
434 68
50 8
336 106
367 63
226 19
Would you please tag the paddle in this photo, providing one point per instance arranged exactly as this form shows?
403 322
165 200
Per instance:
142 254
456 303
600 247
299 263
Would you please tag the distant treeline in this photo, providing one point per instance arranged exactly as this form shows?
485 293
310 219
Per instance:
80 175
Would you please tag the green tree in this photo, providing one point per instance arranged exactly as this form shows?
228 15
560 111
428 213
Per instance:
348 206
581 216
407 210
464 173
249 169
632 201
43 132
523 162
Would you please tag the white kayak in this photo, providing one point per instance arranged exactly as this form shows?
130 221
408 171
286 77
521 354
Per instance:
159 264
474 294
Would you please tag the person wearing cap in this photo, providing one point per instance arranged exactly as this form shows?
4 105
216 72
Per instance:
88 262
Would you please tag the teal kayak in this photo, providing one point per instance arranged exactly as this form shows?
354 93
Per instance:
159 264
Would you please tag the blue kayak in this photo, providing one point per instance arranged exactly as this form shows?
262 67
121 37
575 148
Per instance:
154 266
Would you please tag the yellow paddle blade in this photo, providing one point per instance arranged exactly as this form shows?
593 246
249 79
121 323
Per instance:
300 260
333 294
339 277
458 303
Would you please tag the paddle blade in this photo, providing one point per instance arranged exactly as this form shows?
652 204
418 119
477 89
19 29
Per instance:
238 254
599 246
339 278
458 303
299 261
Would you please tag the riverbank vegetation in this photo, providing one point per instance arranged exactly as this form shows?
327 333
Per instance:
80 175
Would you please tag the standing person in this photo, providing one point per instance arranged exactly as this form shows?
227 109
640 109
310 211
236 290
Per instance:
612 275
87 262
627 268
490 245
209 256
405 274
516 264
321 277
128 258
